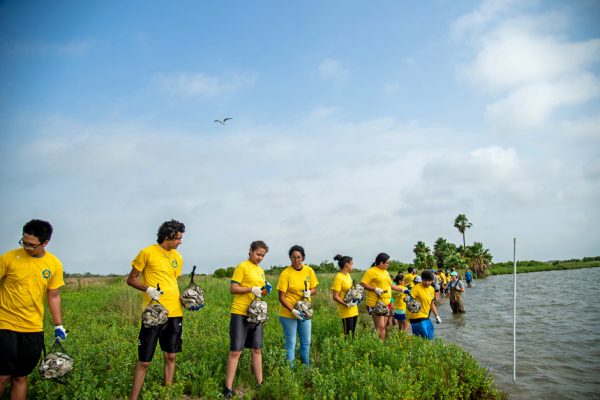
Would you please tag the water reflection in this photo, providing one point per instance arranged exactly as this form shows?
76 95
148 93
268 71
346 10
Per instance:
558 341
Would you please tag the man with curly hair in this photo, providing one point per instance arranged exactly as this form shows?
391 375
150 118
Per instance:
159 265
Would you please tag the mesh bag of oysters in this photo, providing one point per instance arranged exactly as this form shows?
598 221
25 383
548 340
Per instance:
355 294
258 311
380 308
413 305
192 297
56 364
155 314
304 306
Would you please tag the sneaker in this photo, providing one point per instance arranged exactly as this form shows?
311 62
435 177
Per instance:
227 393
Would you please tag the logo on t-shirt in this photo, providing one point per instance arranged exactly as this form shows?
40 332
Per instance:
46 273
174 263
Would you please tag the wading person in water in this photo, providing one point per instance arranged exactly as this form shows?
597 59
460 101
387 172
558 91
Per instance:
456 290
247 283
342 282
378 284
27 276
296 282
159 264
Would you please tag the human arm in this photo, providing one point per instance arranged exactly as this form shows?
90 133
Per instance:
336 297
435 313
54 306
236 288
134 281
372 288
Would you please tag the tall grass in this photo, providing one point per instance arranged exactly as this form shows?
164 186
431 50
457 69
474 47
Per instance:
103 322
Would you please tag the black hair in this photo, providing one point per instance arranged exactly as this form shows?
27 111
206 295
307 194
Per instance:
381 258
399 278
258 244
38 228
297 248
168 230
427 275
410 270
342 260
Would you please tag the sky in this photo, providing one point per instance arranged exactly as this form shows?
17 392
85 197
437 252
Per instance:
357 127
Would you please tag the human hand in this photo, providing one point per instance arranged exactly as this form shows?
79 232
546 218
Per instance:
379 291
267 289
153 292
60 333
306 293
256 291
406 291
297 315
438 320
351 304
197 308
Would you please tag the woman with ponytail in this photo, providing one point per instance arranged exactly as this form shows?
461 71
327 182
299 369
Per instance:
342 282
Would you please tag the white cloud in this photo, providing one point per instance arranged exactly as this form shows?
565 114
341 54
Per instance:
530 70
199 84
581 128
332 70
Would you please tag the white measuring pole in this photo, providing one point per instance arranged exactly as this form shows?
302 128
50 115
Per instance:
515 310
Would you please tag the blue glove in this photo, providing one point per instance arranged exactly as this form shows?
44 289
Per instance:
60 333
406 291
269 287
197 308
297 314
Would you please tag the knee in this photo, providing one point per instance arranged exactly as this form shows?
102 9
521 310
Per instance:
143 365
19 380
256 352
4 379
170 358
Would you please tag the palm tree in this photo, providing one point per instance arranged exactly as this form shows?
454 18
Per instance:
479 258
442 249
423 258
462 224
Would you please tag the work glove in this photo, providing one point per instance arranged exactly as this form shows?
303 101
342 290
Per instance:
197 308
306 293
153 292
438 320
267 289
60 333
256 291
379 291
297 315
406 291
351 304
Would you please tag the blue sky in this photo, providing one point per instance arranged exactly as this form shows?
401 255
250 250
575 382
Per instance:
357 127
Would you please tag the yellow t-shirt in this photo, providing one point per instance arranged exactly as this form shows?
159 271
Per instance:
159 266
399 303
425 296
292 283
341 284
380 278
24 281
247 274
409 280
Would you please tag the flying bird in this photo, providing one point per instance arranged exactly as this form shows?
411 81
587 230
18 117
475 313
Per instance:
223 121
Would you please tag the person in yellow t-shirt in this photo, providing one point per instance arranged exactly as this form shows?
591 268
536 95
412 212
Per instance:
342 282
297 281
159 265
247 283
27 276
400 304
423 292
409 278
378 284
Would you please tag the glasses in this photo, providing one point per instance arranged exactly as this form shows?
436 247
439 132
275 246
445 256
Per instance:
296 257
29 245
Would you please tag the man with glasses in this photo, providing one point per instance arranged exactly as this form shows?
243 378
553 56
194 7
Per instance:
159 265
27 275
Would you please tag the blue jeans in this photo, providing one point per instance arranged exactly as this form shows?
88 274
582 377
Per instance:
290 327
423 328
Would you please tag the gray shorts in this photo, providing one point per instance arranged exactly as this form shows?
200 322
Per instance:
244 334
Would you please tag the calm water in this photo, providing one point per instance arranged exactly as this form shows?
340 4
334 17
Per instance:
558 332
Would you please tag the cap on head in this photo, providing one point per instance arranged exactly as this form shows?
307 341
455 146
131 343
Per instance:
453 273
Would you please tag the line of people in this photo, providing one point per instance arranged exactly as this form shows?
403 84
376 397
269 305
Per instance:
154 272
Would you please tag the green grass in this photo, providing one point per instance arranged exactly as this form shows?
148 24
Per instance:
103 323
538 266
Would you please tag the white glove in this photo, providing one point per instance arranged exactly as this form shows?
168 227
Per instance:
351 304
256 291
60 333
306 293
297 314
153 292
379 291
438 320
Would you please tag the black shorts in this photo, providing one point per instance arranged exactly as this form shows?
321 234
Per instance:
244 334
168 335
19 352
